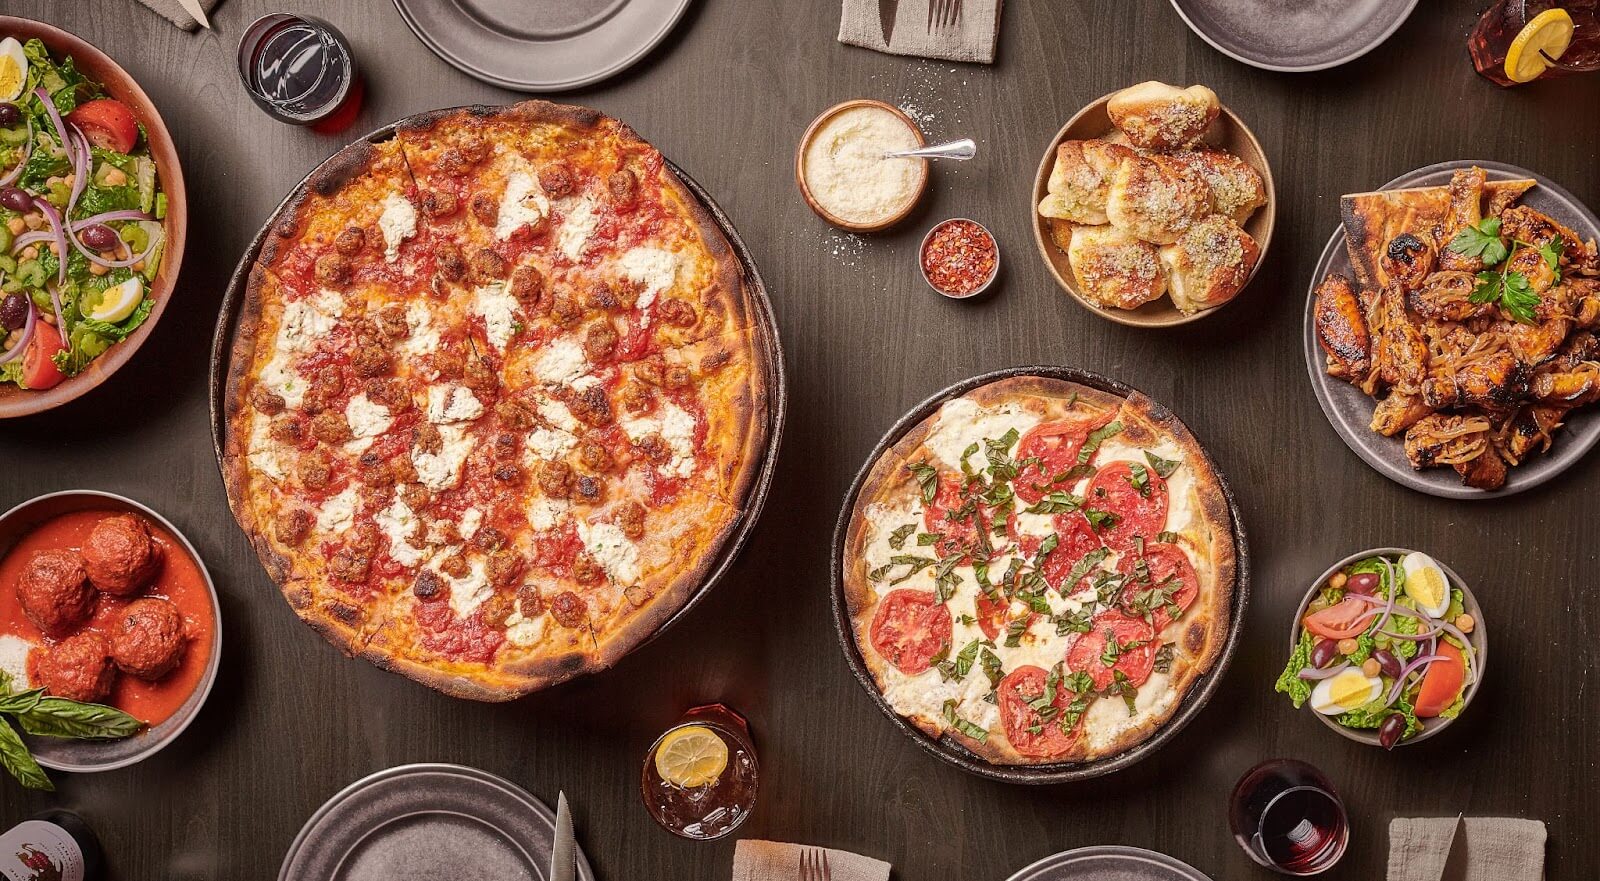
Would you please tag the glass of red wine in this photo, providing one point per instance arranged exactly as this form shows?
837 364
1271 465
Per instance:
300 70
1287 817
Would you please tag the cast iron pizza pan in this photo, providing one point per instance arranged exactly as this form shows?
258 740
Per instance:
1109 862
427 821
1350 411
952 751
541 45
771 346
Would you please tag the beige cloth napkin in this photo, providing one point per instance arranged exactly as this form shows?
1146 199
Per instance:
1498 848
172 11
756 860
972 39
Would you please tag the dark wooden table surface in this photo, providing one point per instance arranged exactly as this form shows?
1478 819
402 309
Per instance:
291 721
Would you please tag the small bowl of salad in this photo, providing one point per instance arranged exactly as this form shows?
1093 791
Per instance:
92 216
1388 647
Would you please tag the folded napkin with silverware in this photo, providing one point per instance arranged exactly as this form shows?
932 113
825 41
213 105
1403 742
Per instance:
955 30
1493 849
756 860
181 12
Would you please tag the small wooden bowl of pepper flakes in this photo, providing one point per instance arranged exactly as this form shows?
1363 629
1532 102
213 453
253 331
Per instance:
959 258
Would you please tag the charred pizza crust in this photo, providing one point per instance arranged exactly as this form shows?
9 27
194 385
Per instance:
722 352
1202 629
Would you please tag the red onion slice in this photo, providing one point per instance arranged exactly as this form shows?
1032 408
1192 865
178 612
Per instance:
27 153
155 239
61 237
1419 663
55 118
1412 637
27 334
122 214
61 317
1314 674
28 238
80 169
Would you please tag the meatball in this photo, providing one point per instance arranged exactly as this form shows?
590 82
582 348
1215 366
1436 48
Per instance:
78 668
54 591
147 638
120 555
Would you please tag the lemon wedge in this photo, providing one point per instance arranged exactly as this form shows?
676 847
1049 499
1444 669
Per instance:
691 756
1549 32
118 301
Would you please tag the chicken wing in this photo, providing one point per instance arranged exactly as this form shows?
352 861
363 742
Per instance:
1399 352
1466 209
1446 439
1341 328
1398 412
1447 296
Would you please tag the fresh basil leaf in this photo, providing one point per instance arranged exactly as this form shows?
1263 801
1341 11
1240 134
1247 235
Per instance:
16 758
1091 445
1164 658
990 662
897 538
962 725
1163 467
1014 632
1057 502
1082 568
927 477
1139 477
1100 520
1167 536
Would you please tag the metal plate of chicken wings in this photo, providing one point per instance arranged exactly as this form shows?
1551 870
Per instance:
1350 410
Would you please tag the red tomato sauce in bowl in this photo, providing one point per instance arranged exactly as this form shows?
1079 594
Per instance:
181 582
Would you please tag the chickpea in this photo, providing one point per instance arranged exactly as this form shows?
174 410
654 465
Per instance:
33 220
16 225
96 269
70 179
1465 623
138 266
1371 667
47 317
1348 646
30 253
1338 580
115 177
52 180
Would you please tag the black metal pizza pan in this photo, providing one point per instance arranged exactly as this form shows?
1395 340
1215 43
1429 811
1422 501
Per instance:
1349 410
770 346
952 751
1109 862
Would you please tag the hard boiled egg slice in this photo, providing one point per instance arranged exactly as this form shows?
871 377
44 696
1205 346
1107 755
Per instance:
13 69
118 301
1426 584
1347 691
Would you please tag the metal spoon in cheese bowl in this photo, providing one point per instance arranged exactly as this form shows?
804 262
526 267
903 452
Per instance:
960 150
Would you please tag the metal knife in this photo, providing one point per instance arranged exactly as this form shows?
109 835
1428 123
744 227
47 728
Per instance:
886 11
193 8
1455 862
563 866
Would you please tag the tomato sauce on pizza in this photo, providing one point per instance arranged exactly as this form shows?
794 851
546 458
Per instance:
496 397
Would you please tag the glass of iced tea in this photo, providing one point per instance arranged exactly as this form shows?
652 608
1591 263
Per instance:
1518 41
700 776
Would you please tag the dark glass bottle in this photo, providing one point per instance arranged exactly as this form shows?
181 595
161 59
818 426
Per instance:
54 845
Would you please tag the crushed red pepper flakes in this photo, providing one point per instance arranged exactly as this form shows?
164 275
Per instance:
959 257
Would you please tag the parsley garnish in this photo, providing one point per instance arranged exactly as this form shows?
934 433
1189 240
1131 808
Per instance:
1481 240
1505 286
1511 290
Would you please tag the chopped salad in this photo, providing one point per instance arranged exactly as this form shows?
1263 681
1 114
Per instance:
81 210
1384 645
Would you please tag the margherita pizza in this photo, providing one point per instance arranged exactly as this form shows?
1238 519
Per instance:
1040 571
496 397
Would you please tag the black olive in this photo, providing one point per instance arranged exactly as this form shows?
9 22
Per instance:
1392 729
9 115
13 311
99 237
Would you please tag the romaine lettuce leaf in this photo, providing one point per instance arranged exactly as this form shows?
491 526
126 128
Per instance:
1289 682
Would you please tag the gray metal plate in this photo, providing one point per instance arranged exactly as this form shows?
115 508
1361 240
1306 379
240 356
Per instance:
1300 36
427 821
541 45
1350 411
1109 863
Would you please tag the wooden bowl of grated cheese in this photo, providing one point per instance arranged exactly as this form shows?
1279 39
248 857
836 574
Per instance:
843 174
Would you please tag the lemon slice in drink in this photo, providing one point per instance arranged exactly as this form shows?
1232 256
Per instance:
691 756
1550 32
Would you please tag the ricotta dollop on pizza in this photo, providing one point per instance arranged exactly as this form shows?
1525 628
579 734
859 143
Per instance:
1040 570
496 397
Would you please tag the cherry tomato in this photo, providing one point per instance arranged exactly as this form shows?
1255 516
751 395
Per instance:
38 370
107 123
1343 621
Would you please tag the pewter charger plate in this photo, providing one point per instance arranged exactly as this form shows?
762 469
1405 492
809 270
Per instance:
1350 411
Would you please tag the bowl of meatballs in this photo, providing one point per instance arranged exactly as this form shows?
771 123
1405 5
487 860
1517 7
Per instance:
103 601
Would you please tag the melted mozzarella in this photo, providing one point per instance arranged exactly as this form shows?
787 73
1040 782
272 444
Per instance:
265 453
442 470
652 268
582 217
367 418
397 522
615 553
468 525
962 423
468 592
561 360
523 203
398 222
675 426
498 310
452 403
305 323
545 513
339 513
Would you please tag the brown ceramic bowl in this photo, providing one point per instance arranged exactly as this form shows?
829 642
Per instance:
1228 133
99 67
805 189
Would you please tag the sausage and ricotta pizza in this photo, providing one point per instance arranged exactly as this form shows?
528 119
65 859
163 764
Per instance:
1040 571
496 396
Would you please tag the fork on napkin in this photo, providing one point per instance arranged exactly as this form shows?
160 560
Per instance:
757 860
1498 848
953 30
